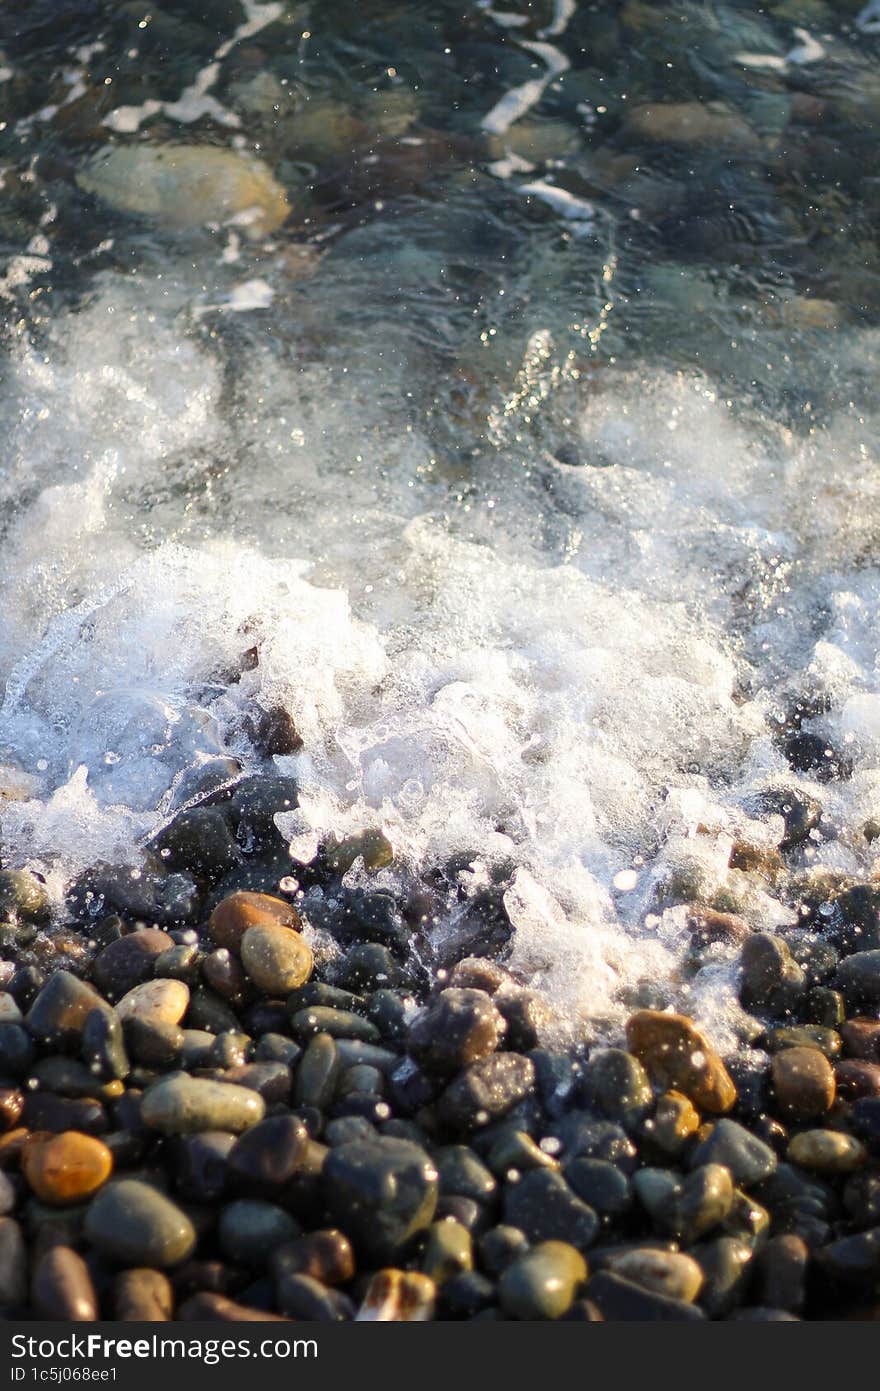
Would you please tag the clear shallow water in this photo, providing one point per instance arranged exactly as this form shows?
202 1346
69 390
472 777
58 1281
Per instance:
534 449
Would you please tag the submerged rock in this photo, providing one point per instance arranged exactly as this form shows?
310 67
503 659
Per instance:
186 186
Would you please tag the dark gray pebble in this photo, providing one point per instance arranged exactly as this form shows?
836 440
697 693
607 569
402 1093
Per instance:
543 1206
486 1090
265 1158
748 1158
381 1193
621 1300
250 1228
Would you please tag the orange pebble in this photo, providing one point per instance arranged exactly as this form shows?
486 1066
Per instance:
65 1168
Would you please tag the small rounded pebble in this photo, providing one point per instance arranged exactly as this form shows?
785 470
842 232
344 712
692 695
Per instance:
65 1168
827 1151
543 1282
132 1223
183 1105
275 958
155 1002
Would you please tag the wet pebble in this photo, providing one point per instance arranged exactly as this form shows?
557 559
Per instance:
16 1050
249 1229
325 1255
486 1090
543 1206
686 1208
276 958
186 186
680 1057
143 1296
617 1083
199 842
47 1111
781 1272
338 1023
381 1193
65 1168
602 1186
129 961
199 1163
102 1046
771 978
448 1251
622 1300
543 1282
13 1264
827 1151
267 1156
854 1260
749 1159
132 1223
398 1296
61 1287
500 1247
155 1002
154 1044
458 1027
59 1012
301 1297
856 1079
725 1263
181 1105
670 1273
858 977
317 1072
861 1039
674 1122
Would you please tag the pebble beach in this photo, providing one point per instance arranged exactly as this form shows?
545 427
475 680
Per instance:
439 714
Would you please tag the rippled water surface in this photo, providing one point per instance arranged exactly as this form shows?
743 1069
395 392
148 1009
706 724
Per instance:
493 391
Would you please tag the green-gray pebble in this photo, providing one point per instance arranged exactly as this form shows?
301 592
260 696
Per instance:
182 1105
134 1224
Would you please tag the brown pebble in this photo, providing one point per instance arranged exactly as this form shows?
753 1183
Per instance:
62 1287
857 1078
673 1123
803 1080
861 1039
11 1107
237 912
65 1168
143 1296
477 973
827 1152
707 926
325 1255
679 1056
203 1307
398 1296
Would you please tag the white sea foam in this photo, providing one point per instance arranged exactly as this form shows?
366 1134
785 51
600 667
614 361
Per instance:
575 684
